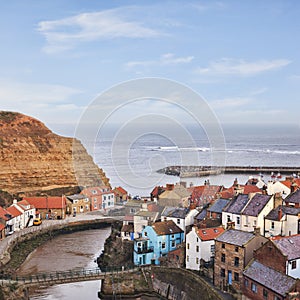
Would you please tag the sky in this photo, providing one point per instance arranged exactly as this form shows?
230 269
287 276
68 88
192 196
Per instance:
242 57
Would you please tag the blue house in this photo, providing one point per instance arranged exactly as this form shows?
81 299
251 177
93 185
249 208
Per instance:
156 241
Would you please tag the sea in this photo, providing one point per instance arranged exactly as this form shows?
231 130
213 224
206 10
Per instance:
132 157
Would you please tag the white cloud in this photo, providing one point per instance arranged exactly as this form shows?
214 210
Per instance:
165 59
66 33
229 66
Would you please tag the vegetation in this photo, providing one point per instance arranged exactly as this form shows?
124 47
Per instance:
8 116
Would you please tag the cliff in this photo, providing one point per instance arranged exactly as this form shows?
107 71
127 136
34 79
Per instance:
34 159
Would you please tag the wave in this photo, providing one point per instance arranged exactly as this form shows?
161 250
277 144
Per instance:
231 150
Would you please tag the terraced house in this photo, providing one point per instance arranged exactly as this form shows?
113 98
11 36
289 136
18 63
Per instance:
156 241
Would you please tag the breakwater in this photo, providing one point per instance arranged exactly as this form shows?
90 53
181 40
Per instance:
200 171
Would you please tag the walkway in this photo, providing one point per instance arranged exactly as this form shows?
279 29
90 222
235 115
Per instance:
47 224
67 276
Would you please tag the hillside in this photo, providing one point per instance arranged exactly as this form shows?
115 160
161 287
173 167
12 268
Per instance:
34 159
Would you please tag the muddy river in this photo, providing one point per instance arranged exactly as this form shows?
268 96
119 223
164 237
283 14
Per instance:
66 252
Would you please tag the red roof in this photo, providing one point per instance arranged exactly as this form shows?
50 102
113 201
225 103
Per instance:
121 190
245 189
288 182
207 234
4 214
47 202
14 211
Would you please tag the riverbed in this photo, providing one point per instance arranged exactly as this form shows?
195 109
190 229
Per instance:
66 252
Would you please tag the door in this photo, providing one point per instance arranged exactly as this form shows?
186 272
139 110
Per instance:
229 277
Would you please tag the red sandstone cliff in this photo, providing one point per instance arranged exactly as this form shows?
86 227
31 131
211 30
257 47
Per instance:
35 159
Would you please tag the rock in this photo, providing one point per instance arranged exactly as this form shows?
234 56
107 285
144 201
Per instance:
33 158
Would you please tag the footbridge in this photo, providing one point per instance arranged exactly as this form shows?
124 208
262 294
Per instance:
69 276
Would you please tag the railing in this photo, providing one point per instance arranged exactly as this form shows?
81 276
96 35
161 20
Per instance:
144 250
68 276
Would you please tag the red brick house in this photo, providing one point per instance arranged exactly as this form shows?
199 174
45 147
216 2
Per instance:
262 282
101 198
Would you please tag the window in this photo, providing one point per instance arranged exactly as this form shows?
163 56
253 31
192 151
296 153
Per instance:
253 287
294 264
95 199
188 246
254 222
236 276
95 205
236 249
238 220
277 298
197 248
236 261
246 282
223 246
104 197
145 233
94 192
223 257
228 218
132 210
178 221
172 236
163 245
187 258
272 225
212 248
197 240
222 274
173 244
197 260
265 294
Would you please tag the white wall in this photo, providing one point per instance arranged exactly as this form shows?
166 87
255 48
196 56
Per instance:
191 254
277 187
294 272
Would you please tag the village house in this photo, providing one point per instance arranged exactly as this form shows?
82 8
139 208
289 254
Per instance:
121 195
127 230
284 187
175 195
28 211
293 199
233 251
282 254
215 210
183 217
16 216
247 212
155 193
101 198
263 282
143 218
156 241
282 220
48 207
204 194
77 204
200 246
236 189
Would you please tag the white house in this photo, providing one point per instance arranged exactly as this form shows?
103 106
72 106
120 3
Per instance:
282 220
200 244
28 213
284 187
16 217
181 216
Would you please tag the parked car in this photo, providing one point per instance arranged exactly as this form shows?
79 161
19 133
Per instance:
37 221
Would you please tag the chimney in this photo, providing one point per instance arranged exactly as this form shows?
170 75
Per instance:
170 187
294 187
279 214
183 183
257 231
230 225
15 201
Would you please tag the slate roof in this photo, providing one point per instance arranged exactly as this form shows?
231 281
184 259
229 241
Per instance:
146 213
294 197
256 204
271 279
237 204
166 228
288 245
178 212
235 237
76 197
218 206
286 210
202 215
207 234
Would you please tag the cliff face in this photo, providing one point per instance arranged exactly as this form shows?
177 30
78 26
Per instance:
35 159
